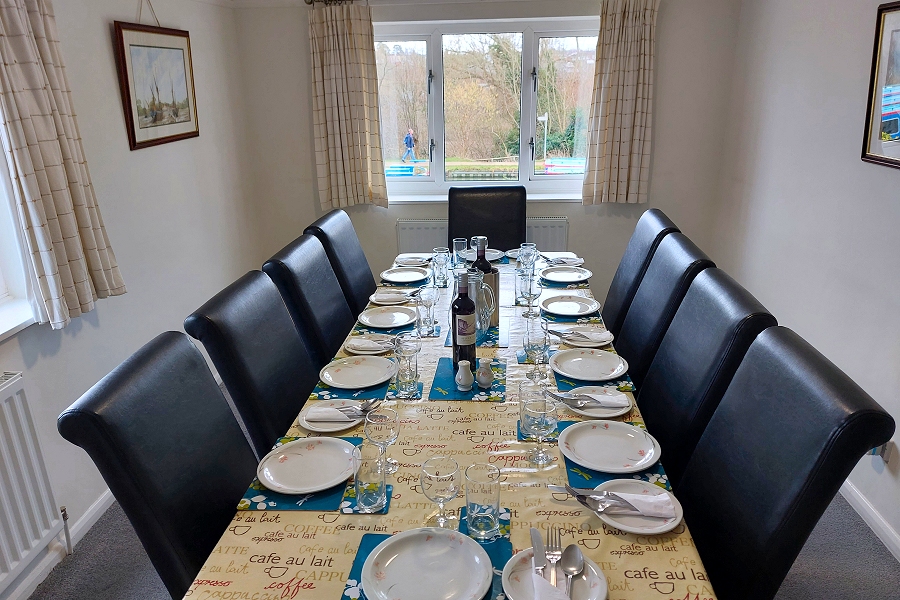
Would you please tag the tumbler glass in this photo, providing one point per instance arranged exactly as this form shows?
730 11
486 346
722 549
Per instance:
368 477
460 245
440 259
483 500
406 353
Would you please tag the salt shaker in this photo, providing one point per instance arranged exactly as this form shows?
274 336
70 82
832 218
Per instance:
484 376
464 378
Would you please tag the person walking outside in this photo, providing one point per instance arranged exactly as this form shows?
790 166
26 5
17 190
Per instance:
410 142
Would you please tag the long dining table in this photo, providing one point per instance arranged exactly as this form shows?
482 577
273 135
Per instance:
268 554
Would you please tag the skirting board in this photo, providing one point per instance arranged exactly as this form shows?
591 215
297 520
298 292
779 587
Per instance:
887 534
56 551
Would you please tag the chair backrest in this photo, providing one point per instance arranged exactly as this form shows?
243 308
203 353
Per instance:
265 364
168 446
675 264
336 232
785 436
706 341
497 212
312 293
651 228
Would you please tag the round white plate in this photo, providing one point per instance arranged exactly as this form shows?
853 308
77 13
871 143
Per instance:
570 306
427 564
306 466
380 337
565 274
327 426
405 274
583 343
588 364
637 523
412 261
490 254
513 254
396 300
517 584
599 412
387 317
355 372
609 446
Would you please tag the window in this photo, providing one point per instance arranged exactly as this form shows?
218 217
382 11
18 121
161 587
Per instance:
485 102
16 310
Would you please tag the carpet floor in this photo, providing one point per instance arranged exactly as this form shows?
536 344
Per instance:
842 560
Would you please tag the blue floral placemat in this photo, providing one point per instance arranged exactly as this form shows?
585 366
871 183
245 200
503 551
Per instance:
489 339
348 502
323 391
564 384
522 357
360 329
444 385
592 319
499 550
415 284
392 392
582 477
581 285
353 587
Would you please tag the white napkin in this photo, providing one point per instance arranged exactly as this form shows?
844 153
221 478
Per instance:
408 262
389 296
544 591
594 336
364 345
567 261
649 505
613 399
325 414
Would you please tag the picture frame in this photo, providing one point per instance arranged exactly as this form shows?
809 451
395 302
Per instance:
881 139
156 78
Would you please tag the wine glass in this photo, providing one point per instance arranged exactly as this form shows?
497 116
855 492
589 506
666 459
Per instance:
428 297
382 428
440 481
537 345
530 289
538 420
440 259
528 254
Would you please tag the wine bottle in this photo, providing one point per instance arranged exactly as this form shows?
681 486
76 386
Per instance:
462 322
481 263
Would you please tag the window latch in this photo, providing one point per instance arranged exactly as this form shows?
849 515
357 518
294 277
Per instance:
430 79
531 143
534 78
431 151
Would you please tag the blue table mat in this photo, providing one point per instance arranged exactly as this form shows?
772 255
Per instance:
593 318
499 550
444 385
360 329
581 285
564 384
353 587
489 339
414 284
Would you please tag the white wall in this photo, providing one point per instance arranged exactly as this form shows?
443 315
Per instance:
804 224
175 215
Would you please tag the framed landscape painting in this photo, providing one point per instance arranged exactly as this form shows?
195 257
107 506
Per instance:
157 82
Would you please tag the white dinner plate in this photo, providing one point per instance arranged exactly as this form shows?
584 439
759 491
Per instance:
387 317
379 337
588 364
640 524
427 564
307 465
413 260
327 426
517 583
564 274
583 343
355 372
609 446
490 254
513 254
600 412
405 274
570 306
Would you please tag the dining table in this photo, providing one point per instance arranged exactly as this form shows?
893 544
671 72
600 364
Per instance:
275 551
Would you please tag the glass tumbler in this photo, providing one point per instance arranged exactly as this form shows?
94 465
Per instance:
368 477
483 500
406 353
440 261
460 245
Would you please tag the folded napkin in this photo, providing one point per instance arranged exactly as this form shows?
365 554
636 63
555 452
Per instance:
649 505
389 296
325 414
613 399
594 336
364 345
568 261
544 591
409 262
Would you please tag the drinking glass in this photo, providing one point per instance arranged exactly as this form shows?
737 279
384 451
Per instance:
406 354
536 342
539 421
530 287
459 252
368 477
440 258
428 296
440 484
382 428
483 500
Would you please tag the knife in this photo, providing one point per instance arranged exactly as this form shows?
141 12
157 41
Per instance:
592 493
540 557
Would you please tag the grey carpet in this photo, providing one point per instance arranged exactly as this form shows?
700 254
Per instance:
842 560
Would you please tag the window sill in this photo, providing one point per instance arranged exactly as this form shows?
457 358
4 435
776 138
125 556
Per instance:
15 315
398 198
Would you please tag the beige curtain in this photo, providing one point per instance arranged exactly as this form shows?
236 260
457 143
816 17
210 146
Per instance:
349 165
619 130
70 253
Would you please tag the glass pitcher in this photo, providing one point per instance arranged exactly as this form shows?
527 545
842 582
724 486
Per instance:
483 296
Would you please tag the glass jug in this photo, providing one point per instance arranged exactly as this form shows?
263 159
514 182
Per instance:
483 296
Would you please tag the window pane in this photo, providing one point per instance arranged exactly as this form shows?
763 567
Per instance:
403 100
482 100
565 82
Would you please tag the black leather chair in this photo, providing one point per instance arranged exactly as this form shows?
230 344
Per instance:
785 436
312 293
265 364
169 448
348 260
651 228
675 264
706 341
497 212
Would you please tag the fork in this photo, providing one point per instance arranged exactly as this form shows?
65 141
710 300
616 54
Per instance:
553 551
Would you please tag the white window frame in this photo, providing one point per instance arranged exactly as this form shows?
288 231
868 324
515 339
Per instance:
18 307
433 188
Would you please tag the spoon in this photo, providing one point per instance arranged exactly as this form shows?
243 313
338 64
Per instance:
572 564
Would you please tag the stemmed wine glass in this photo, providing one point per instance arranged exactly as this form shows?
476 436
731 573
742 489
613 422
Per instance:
537 345
428 297
382 428
528 255
530 289
440 481
539 420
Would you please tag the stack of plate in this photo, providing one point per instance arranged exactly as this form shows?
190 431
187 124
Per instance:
307 465
588 364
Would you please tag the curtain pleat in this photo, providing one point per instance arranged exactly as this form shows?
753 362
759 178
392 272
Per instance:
349 165
621 115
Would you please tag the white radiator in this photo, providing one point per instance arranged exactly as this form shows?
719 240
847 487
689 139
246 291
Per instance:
28 516
551 234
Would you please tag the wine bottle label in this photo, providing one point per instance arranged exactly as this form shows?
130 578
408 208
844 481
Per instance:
465 330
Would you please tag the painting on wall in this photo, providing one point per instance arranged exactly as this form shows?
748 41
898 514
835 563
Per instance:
881 142
157 82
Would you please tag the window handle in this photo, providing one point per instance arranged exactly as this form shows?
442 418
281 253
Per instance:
534 78
431 151
531 143
430 79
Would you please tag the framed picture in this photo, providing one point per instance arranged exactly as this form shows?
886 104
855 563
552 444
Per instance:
156 77
881 143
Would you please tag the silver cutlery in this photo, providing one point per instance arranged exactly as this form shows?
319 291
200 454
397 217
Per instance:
572 564
598 505
361 410
554 551
611 498
567 335
537 547
574 400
